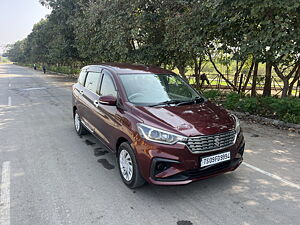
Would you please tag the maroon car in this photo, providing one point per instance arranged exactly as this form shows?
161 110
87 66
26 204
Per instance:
161 129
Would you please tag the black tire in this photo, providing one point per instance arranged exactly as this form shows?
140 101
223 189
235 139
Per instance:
136 180
81 130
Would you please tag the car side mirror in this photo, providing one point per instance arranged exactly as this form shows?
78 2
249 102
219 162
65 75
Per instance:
108 100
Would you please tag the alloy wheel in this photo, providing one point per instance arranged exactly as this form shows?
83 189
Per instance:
126 166
77 122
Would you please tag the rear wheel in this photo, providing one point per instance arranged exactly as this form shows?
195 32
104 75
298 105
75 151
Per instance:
128 166
80 129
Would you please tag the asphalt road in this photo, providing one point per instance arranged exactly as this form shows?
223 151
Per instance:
49 175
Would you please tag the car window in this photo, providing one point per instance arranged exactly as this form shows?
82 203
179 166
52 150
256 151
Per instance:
151 89
81 77
107 86
92 82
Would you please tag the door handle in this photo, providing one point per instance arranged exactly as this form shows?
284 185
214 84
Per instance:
96 103
81 92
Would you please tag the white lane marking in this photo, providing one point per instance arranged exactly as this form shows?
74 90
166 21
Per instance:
9 85
291 184
5 195
29 89
9 101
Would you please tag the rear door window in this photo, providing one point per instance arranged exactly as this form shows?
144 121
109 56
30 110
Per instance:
92 81
107 86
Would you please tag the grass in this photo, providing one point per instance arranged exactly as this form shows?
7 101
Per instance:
4 60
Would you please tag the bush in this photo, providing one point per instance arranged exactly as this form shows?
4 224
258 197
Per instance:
250 105
288 109
212 94
63 69
285 109
57 69
232 101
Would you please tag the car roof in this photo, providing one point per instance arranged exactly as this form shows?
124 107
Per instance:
126 68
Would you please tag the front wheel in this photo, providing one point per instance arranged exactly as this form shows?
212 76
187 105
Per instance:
128 167
80 129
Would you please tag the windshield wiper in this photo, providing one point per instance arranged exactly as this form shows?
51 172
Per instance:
166 103
193 101
180 102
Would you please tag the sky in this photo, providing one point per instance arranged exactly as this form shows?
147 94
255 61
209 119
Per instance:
17 18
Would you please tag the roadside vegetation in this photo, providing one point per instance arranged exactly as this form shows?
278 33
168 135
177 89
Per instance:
53 68
285 109
4 60
251 45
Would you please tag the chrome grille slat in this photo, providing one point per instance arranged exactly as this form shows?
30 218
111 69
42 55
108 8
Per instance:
211 142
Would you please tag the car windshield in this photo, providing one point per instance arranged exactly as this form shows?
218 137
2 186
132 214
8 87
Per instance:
157 89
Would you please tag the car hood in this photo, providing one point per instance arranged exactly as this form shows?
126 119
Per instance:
189 120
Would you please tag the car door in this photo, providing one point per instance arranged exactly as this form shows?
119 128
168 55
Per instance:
78 90
106 124
90 96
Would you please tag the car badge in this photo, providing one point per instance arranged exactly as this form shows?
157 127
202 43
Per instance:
217 141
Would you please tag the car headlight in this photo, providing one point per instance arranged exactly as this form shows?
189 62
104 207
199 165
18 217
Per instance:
157 135
237 124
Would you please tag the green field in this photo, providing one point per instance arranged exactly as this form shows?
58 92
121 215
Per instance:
4 60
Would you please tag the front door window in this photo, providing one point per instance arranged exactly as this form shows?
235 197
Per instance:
108 86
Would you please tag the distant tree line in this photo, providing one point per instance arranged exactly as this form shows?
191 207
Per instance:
172 33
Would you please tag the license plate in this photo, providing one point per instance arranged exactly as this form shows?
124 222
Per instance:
214 159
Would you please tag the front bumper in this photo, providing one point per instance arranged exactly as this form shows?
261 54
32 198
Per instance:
176 165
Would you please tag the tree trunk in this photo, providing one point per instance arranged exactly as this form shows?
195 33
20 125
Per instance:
236 75
285 87
248 75
238 71
286 78
181 70
254 80
268 80
197 73
291 88
218 71
240 84
296 78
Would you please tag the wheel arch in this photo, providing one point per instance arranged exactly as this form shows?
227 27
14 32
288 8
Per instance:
120 141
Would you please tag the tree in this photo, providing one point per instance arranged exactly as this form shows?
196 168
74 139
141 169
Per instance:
174 34
16 52
268 30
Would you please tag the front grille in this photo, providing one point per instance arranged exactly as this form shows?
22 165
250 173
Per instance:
207 143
